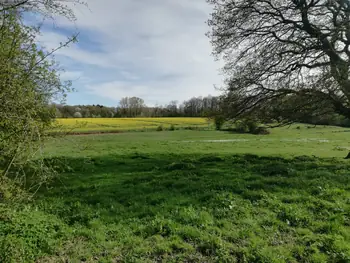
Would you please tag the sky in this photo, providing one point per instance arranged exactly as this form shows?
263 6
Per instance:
155 49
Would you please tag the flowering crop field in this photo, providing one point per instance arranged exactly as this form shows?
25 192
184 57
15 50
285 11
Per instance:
96 125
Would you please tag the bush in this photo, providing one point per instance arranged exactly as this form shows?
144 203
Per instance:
261 131
172 127
219 121
25 114
252 126
241 126
77 115
160 128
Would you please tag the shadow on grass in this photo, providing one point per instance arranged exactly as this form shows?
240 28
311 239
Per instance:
141 186
190 208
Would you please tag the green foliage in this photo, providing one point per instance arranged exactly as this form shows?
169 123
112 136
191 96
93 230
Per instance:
241 126
172 127
250 126
135 107
26 234
261 131
160 128
77 115
142 197
28 81
219 121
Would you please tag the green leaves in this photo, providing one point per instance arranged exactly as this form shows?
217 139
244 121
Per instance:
29 79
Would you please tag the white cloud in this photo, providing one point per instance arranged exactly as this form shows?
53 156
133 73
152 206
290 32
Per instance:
155 49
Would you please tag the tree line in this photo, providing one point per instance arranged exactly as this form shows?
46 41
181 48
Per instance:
136 107
209 106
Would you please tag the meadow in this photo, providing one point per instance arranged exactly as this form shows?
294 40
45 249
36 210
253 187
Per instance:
188 196
113 125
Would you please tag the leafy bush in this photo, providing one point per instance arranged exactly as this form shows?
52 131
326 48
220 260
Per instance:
25 114
160 128
251 125
261 131
219 120
241 126
172 127
77 115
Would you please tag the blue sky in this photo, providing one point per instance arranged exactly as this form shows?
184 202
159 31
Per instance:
154 49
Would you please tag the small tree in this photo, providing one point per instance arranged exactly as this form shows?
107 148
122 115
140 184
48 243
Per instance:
77 115
29 79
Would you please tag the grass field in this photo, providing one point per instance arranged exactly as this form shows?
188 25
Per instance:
189 196
96 125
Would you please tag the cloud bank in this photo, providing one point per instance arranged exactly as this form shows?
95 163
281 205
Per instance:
155 49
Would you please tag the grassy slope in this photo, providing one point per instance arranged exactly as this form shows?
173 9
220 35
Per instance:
162 197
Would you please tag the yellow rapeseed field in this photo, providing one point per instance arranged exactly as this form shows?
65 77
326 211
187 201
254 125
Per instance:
127 124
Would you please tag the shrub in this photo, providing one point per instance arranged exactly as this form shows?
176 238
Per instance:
241 126
261 131
77 115
160 128
252 126
25 114
172 127
219 121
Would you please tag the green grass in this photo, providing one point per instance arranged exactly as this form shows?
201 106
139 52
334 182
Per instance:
177 197
288 142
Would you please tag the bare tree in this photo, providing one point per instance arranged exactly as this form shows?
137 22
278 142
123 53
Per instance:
124 106
274 49
131 106
47 8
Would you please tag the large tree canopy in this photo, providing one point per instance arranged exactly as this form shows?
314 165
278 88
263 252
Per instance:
275 49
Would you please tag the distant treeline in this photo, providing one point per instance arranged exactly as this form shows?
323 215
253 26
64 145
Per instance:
136 107
194 107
